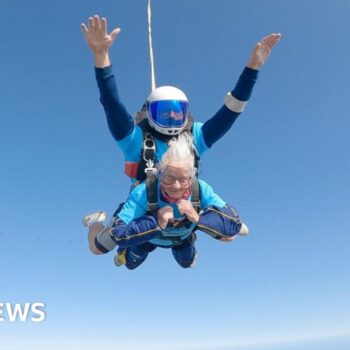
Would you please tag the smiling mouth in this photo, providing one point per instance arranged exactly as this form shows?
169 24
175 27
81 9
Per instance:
172 192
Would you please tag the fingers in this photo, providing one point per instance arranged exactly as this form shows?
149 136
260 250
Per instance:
184 206
277 38
181 206
84 28
271 40
257 47
180 201
115 32
165 210
95 24
103 24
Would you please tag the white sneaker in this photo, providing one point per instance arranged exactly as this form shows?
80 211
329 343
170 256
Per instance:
90 219
244 231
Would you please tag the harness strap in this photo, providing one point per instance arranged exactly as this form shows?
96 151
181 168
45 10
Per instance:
152 193
152 201
195 195
148 151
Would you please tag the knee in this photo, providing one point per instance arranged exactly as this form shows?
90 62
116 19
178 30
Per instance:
131 266
94 250
185 264
134 259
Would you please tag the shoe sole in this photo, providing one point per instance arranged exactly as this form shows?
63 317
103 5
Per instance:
99 216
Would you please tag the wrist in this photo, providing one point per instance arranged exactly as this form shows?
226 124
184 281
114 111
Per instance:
162 224
102 59
196 218
254 66
193 216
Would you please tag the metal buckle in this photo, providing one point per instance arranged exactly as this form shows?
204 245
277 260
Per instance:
150 168
148 145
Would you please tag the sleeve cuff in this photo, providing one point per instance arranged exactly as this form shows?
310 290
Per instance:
103 73
250 73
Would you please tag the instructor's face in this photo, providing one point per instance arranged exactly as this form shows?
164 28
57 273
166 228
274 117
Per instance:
176 180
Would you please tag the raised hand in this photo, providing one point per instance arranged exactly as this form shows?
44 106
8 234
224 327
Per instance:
98 39
262 50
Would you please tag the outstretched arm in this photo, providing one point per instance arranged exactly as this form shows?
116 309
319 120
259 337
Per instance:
120 123
222 223
217 218
134 225
235 101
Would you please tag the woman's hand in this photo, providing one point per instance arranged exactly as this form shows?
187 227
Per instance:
186 208
164 215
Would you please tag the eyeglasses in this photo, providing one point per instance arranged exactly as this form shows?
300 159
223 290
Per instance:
169 180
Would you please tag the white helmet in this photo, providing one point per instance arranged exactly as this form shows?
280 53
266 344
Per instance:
167 110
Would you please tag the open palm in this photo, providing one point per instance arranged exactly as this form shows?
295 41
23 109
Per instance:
96 34
262 50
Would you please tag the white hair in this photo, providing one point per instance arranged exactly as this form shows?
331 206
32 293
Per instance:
181 150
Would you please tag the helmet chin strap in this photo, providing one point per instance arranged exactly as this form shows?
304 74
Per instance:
153 79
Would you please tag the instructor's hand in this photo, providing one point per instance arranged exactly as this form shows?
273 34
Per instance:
262 50
98 40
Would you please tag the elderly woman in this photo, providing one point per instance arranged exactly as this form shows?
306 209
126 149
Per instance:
139 231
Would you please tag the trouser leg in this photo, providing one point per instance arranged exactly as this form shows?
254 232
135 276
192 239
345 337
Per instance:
185 253
135 256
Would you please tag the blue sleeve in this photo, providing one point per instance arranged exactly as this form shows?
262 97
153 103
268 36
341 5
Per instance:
208 196
217 218
216 127
199 143
136 204
220 222
131 145
138 231
120 122
245 84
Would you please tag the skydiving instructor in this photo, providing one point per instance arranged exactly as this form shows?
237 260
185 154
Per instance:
129 135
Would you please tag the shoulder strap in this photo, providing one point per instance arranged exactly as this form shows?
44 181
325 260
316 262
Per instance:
195 195
148 150
152 193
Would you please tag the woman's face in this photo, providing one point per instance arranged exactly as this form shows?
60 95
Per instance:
176 179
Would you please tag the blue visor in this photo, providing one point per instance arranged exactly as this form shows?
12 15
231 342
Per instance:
168 113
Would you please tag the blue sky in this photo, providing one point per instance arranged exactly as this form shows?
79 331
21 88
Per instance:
284 166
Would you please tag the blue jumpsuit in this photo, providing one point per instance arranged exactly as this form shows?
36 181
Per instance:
138 230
